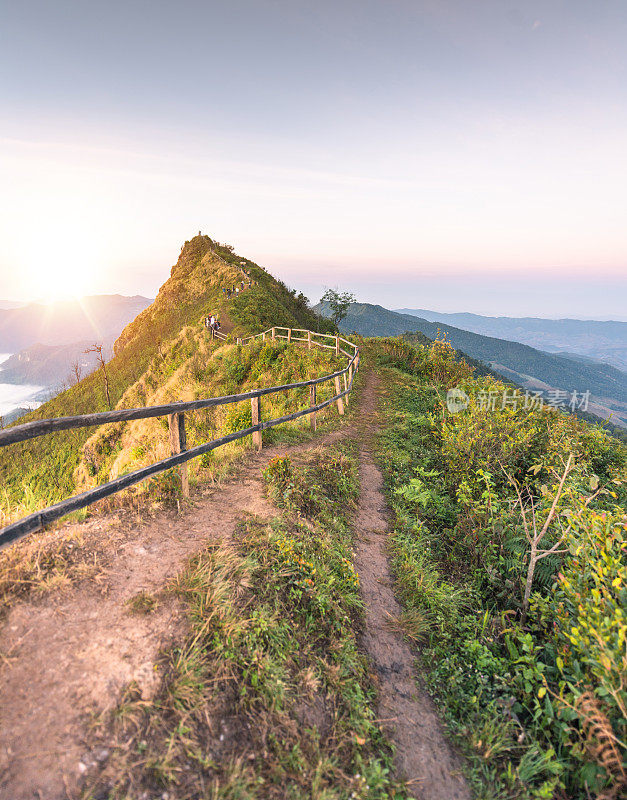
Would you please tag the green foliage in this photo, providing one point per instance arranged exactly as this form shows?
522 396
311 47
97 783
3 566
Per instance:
338 304
237 418
417 490
436 361
324 487
260 308
539 707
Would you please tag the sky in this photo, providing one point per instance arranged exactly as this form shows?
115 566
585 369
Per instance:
455 155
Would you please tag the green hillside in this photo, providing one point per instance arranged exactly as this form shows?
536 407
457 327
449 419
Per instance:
602 341
504 526
602 380
43 471
518 675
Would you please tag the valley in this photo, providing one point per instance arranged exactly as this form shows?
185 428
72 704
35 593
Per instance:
526 366
589 340
48 345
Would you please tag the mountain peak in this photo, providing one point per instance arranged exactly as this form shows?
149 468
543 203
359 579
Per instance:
191 253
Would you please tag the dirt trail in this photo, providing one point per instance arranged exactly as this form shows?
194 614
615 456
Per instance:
68 655
423 757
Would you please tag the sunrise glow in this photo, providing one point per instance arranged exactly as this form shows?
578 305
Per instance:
455 142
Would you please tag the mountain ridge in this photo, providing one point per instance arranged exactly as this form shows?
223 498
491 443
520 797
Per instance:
162 351
603 340
606 382
94 317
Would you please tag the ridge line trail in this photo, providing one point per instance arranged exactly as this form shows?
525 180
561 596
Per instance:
68 655
422 757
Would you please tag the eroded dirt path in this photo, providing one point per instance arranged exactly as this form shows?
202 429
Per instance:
423 756
70 654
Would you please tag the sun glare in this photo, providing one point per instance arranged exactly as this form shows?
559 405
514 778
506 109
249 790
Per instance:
63 279
63 265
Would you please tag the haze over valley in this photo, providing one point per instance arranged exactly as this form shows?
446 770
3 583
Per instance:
569 354
43 346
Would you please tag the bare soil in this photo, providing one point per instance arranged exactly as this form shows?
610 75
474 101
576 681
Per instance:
423 757
68 656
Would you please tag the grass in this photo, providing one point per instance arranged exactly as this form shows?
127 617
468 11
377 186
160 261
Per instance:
437 605
54 560
508 690
36 473
269 695
115 449
142 603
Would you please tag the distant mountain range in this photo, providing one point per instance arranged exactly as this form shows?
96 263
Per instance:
527 366
50 365
98 318
47 340
600 341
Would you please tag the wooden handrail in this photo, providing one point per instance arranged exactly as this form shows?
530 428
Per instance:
42 427
181 455
32 430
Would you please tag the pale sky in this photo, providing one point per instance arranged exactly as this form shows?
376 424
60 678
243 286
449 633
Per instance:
443 154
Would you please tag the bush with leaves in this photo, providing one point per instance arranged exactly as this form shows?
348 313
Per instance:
538 704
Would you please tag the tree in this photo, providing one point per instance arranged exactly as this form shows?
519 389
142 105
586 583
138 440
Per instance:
339 303
97 348
77 371
534 536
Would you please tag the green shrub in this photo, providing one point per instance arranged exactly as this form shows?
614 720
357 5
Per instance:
538 706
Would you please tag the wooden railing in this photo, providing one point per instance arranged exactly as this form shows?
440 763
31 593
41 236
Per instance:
176 420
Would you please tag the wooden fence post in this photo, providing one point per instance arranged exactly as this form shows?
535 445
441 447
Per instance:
345 387
255 408
273 334
263 336
340 401
350 375
312 402
337 345
289 334
178 444
308 340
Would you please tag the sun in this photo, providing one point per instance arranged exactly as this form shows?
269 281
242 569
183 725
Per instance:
63 265
63 279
